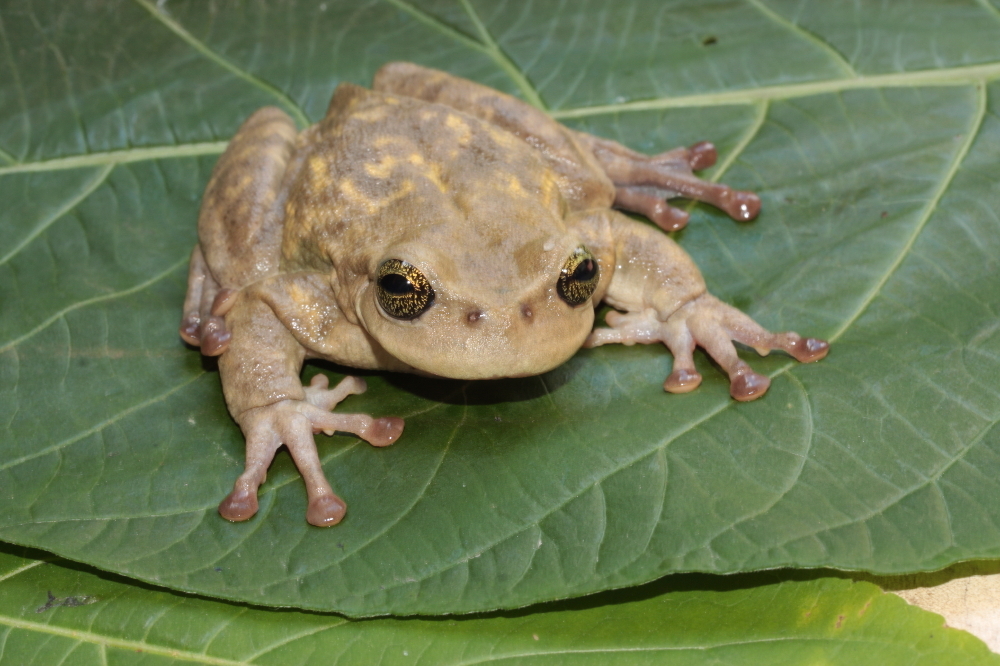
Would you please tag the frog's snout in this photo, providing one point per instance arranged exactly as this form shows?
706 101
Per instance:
476 316
486 341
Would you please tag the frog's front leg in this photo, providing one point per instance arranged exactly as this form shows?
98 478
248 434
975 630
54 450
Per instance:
260 379
664 298
643 183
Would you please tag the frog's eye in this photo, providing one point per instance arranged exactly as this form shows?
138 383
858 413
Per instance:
578 277
403 291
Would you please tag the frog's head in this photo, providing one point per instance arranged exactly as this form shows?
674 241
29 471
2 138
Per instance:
511 310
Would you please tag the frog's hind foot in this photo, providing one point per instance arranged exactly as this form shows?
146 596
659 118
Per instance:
293 423
711 324
643 182
205 306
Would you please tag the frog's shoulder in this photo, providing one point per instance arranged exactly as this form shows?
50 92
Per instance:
349 99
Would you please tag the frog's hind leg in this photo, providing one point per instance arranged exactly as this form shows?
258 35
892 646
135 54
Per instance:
644 182
239 226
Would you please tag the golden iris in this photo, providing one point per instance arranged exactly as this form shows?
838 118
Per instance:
578 277
402 290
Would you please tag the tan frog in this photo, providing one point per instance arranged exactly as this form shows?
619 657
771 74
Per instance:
436 226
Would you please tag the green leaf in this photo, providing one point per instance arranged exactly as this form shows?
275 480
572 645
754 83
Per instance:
52 612
875 156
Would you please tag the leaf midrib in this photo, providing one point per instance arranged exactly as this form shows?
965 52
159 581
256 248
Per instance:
119 643
975 75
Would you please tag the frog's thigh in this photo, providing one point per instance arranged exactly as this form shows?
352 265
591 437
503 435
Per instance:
239 226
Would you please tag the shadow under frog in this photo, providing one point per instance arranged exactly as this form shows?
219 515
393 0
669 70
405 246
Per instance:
437 227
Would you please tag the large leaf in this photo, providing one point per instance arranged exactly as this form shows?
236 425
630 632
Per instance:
871 135
51 613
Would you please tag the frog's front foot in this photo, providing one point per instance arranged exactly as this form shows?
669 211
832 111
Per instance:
709 323
205 306
293 423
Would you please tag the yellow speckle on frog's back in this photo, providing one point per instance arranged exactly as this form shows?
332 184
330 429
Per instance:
371 203
514 187
371 115
319 168
463 133
383 168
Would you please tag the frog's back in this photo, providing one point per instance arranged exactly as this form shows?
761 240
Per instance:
382 169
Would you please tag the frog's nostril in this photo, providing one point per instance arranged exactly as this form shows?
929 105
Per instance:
526 312
474 316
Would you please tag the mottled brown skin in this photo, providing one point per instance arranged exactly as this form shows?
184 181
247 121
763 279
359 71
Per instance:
484 196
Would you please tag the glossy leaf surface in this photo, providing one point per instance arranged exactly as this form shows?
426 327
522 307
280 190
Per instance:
875 156
52 613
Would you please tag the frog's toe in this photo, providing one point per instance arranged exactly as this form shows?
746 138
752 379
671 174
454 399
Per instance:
214 336
205 305
318 393
325 510
807 350
190 329
739 205
747 385
682 380
239 505
702 155
651 204
384 431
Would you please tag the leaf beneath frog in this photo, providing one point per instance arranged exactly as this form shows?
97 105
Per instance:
878 230
52 613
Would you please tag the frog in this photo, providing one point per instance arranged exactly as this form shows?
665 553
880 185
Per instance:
433 225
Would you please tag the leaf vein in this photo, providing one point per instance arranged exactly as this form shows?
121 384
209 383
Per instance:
119 643
971 133
948 76
312 631
795 476
115 157
435 23
933 479
91 301
701 649
502 59
20 570
160 15
990 8
807 35
59 446
419 495
85 191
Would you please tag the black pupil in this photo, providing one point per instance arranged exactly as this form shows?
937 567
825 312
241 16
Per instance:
585 271
396 284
